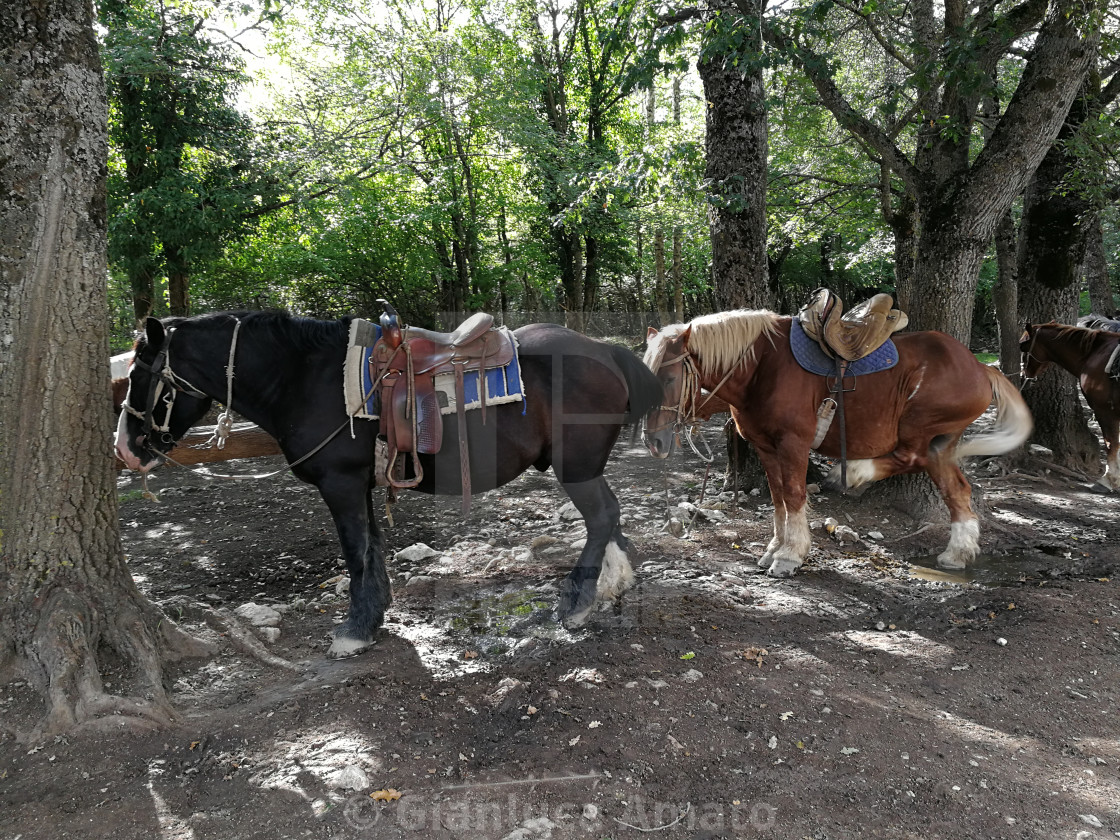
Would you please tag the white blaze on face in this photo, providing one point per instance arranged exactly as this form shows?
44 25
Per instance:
124 452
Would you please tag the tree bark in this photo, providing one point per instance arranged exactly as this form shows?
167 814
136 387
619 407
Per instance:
65 591
1005 298
1101 299
1051 249
736 145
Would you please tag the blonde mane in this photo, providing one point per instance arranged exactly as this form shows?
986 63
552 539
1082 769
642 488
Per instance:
717 341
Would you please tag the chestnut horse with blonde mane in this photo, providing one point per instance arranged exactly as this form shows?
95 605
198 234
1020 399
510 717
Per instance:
1085 353
907 419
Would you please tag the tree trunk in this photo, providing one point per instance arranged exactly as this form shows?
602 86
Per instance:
1005 298
660 296
1051 250
736 146
677 275
1101 300
66 592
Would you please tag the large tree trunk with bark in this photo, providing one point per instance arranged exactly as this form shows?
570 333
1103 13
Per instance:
1101 300
736 143
66 595
1005 299
1052 244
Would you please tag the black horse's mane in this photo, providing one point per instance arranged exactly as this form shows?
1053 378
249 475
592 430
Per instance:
295 331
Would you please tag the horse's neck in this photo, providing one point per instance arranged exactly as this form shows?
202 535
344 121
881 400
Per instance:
1068 354
741 372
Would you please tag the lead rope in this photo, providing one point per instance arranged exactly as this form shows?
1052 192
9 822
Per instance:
224 424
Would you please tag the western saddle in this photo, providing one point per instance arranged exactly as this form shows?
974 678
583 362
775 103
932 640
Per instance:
405 362
853 334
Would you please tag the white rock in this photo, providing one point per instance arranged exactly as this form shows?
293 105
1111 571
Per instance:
590 811
579 544
692 675
258 615
875 535
1002 642
570 512
416 552
269 634
342 587
538 829
1089 819
350 777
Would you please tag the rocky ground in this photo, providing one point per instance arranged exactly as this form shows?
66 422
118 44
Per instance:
871 696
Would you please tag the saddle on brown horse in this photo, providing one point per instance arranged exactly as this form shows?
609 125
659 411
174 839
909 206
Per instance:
405 369
853 334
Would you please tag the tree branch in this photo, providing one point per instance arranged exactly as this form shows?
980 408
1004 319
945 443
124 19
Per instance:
831 97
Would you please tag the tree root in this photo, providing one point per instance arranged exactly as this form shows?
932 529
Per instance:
225 622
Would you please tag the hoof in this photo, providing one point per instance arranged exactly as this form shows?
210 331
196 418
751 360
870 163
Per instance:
783 568
343 647
951 562
765 561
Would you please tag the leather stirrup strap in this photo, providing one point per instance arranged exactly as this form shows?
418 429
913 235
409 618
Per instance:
464 455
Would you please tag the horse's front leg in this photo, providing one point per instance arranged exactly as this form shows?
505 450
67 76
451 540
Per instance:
785 472
1110 431
603 570
351 506
964 534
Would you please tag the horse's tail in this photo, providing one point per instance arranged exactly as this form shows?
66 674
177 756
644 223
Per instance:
642 385
1014 423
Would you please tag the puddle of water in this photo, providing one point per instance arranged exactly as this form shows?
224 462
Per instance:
507 616
985 570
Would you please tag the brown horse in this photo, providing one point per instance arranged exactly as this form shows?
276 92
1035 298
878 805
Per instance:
1085 353
906 419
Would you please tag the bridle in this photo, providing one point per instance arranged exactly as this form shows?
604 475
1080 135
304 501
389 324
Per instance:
163 379
1029 354
686 417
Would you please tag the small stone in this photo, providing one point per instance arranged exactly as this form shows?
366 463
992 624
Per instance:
342 587
1090 820
415 553
875 535
692 675
1002 642
590 811
269 634
350 777
543 541
879 625
258 615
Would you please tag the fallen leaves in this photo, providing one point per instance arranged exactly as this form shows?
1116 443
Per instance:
754 654
387 795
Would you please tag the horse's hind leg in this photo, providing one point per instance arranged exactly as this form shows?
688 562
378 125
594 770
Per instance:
351 506
1110 431
603 571
964 538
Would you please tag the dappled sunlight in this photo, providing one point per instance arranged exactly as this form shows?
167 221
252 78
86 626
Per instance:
904 643
171 826
317 760
803 599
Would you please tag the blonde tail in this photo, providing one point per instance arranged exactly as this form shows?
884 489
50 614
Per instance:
1014 423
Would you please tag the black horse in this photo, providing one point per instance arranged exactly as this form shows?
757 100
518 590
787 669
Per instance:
1099 322
289 381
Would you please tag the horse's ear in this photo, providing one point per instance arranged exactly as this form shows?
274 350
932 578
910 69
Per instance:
154 332
650 333
685 333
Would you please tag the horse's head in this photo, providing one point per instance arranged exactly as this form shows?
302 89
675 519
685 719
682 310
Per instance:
668 357
1034 356
160 405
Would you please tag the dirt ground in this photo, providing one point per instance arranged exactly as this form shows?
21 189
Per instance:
868 697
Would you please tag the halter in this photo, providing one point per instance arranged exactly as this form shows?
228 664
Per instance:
686 410
1029 354
163 378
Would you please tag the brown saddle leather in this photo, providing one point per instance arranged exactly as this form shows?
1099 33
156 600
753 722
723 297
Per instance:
853 334
405 362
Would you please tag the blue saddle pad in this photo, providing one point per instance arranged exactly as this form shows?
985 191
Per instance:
811 357
503 385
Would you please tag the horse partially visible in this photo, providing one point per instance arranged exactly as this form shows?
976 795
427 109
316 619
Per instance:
1098 322
1086 354
907 419
286 375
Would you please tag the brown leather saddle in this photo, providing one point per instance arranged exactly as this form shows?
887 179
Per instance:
405 363
853 334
